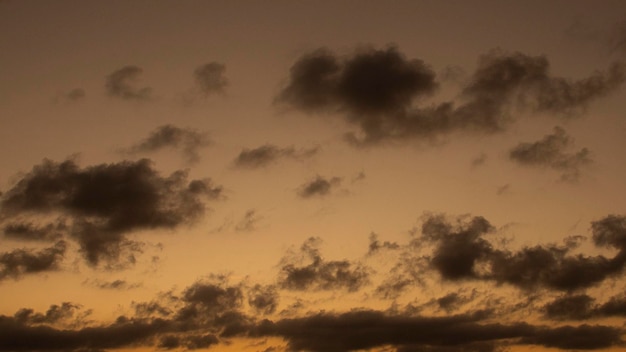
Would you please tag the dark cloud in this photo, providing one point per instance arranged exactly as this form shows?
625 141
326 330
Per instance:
361 330
196 342
53 315
461 253
107 201
581 307
459 247
187 140
210 78
376 246
319 186
376 90
20 262
319 274
263 299
550 152
115 285
120 84
29 231
17 336
570 307
583 337
268 154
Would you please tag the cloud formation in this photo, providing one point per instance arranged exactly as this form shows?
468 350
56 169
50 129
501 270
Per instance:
550 151
20 262
462 253
106 202
188 141
309 271
120 84
210 78
319 186
268 154
379 92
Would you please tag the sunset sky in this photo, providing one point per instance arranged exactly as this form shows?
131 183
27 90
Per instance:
431 176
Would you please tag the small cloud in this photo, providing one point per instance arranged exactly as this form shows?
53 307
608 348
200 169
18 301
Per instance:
319 274
188 141
319 186
249 221
268 154
503 189
479 160
120 84
20 262
210 78
550 152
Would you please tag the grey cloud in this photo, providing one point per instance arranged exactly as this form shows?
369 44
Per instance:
319 186
187 140
268 154
461 253
264 299
376 246
582 306
20 262
30 231
583 337
376 91
459 247
107 201
210 78
550 152
361 330
479 160
115 285
320 274
120 84
16 336
53 315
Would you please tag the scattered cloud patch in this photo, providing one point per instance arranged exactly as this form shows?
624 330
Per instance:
319 186
103 203
268 154
551 152
121 84
188 141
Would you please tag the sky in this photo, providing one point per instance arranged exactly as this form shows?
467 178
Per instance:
432 176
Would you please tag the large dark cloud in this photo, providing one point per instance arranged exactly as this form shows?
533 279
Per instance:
582 306
377 91
319 274
551 152
120 84
462 253
268 154
17 336
319 186
105 202
187 140
19 262
210 78
361 330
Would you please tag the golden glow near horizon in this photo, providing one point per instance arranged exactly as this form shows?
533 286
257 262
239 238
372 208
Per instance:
285 176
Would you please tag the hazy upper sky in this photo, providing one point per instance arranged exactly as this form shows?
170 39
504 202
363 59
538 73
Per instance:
312 176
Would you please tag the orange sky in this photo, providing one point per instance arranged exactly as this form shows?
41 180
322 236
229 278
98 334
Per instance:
323 176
